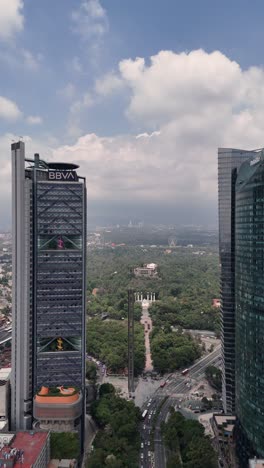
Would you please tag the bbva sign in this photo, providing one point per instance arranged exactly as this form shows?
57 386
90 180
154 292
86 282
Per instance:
62 175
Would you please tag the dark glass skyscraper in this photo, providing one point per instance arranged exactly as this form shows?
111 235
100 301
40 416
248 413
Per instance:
49 274
229 160
249 298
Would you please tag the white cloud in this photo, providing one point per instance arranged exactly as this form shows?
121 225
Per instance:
34 120
187 105
76 109
90 20
75 65
147 135
11 18
17 58
108 84
180 84
9 109
68 92
30 61
184 106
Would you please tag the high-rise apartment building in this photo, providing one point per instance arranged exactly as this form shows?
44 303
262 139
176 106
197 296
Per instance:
228 161
249 299
49 274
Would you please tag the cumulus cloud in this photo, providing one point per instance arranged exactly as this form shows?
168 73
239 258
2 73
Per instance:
108 84
185 106
147 135
90 20
188 104
11 18
34 120
9 109
17 58
76 109
90 23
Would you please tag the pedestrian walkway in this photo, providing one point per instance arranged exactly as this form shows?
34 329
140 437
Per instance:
147 322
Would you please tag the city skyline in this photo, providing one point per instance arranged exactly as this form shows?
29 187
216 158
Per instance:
143 113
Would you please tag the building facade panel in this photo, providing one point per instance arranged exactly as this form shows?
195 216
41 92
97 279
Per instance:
229 160
250 303
49 281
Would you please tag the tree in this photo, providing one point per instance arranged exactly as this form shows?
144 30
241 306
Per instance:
91 371
106 389
214 377
200 454
187 444
174 461
171 350
108 341
64 445
117 442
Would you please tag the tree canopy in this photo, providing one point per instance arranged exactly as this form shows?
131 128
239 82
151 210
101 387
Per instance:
185 286
187 444
64 445
214 377
117 442
171 350
108 341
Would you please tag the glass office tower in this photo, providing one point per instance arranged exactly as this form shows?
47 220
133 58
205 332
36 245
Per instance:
228 161
49 273
249 297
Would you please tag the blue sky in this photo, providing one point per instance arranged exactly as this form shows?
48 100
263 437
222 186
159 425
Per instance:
70 69
138 28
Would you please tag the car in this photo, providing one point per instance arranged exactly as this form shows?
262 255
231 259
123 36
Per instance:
142 455
148 442
142 445
149 453
144 427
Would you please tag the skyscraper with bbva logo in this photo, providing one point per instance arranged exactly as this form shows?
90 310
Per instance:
49 274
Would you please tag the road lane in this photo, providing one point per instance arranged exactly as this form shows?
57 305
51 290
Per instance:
174 388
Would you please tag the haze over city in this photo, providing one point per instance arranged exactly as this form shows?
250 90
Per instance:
140 94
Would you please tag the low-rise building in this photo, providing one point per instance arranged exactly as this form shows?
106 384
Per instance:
4 398
64 463
25 449
148 270
255 463
223 427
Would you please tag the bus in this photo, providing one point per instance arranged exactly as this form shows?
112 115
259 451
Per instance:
144 414
185 371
